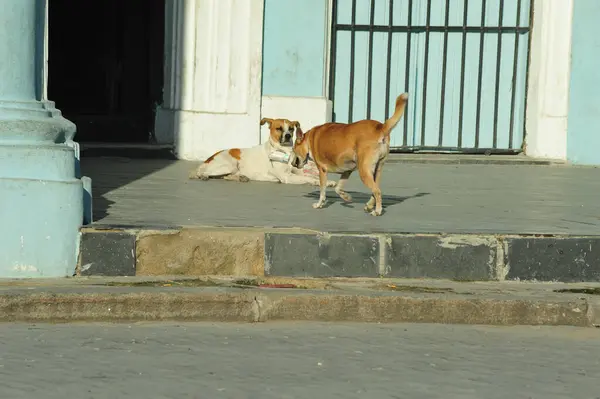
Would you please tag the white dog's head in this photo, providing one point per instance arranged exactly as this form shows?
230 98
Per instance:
281 131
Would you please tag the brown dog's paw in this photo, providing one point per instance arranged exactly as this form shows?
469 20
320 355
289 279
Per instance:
318 205
345 196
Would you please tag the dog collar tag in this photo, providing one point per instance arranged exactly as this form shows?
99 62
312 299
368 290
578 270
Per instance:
279 156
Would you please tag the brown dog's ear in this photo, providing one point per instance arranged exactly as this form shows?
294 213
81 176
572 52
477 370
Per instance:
265 120
299 132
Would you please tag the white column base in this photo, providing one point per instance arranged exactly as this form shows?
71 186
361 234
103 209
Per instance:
198 135
549 79
309 111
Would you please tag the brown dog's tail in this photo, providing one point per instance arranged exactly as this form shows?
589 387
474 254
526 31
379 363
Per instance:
398 112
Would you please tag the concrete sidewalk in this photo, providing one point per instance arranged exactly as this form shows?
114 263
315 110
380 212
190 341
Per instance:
473 221
418 198
267 299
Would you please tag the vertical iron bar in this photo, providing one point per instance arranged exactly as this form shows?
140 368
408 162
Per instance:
531 11
480 74
352 48
444 63
370 64
407 71
462 73
514 78
389 61
426 67
498 64
333 55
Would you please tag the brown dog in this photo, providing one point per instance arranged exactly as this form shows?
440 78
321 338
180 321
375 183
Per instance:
342 148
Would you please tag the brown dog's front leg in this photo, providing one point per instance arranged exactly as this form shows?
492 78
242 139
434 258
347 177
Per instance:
340 187
323 187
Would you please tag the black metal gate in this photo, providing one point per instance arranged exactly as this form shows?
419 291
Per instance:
464 64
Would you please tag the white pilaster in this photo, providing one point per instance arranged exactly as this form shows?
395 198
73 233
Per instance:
213 65
549 77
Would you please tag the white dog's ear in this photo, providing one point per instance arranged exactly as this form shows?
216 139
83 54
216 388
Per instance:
266 120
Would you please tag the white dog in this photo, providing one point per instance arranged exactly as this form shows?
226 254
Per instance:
267 162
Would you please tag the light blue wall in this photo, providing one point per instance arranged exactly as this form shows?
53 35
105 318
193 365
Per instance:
583 138
294 47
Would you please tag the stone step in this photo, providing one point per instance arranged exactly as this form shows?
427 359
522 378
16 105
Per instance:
133 251
264 299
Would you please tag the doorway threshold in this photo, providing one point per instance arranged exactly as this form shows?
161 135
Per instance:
127 150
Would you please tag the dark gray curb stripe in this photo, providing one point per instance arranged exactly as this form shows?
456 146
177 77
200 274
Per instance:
460 257
570 259
321 255
107 253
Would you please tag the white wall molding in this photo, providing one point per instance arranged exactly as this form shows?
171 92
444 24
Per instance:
213 65
549 79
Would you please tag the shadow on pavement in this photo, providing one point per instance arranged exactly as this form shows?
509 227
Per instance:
361 198
111 173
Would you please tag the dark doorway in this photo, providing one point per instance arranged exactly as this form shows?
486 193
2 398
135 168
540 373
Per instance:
105 69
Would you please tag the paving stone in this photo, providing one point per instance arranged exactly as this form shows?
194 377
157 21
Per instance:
196 252
448 257
553 259
107 253
313 255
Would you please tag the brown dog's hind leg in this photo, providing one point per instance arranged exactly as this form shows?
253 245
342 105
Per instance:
371 179
377 176
340 187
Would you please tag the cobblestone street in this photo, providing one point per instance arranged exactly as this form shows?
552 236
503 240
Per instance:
293 360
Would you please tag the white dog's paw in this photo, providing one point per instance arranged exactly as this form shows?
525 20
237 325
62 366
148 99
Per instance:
331 183
318 205
376 213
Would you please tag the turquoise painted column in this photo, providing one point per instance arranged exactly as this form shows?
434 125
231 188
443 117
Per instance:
41 201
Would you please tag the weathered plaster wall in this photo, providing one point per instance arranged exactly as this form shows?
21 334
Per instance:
583 140
295 56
